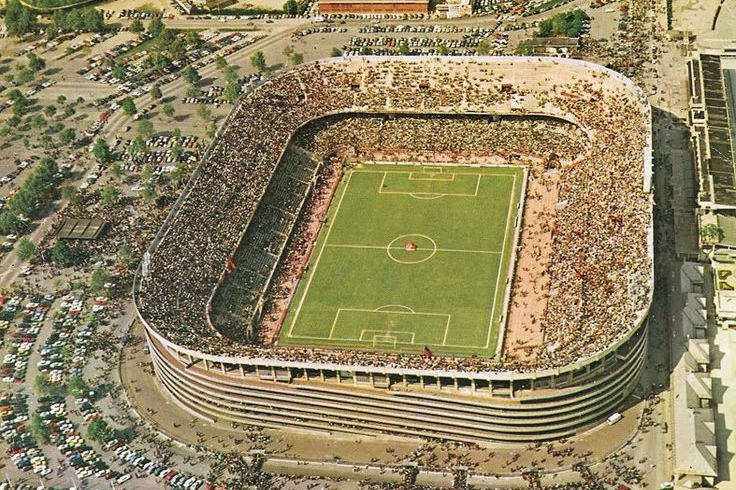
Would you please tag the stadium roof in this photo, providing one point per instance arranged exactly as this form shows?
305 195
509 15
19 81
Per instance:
719 169
80 229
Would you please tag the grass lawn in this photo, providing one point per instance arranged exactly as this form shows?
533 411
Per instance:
411 256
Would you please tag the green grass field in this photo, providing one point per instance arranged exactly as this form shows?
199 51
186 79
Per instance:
364 290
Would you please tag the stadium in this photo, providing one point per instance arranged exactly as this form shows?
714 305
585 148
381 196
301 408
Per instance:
463 242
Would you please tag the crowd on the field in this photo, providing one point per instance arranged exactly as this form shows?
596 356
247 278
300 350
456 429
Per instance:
600 272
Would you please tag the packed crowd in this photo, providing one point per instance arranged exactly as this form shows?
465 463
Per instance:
599 279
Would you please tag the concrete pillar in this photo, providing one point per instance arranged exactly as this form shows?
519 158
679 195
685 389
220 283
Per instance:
222 367
242 371
421 380
273 373
454 380
322 375
306 374
472 385
339 378
372 380
206 364
405 382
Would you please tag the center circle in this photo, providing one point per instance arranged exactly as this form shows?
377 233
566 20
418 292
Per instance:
411 249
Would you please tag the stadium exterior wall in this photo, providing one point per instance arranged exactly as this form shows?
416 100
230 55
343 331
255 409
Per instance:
510 406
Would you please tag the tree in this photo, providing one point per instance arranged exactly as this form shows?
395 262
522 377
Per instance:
335 52
231 92
97 281
136 26
49 110
70 193
98 430
711 234
60 100
291 7
193 91
404 49
221 62
211 130
442 50
156 27
101 150
61 254
19 19
147 172
109 194
204 112
137 148
35 62
168 110
116 170
45 387
26 249
67 135
193 38
149 192
191 75
484 47
10 223
77 386
125 255
288 50
296 58
145 128
129 106
156 91
258 60
24 76
231 73
39 430
38 121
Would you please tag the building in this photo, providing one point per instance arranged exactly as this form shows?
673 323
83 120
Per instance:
327 7
473 400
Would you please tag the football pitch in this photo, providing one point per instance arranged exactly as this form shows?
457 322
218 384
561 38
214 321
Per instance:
411 256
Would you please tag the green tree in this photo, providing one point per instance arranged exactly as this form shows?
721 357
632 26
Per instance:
156 27
204 112
211 130
69 111
231 73
101 150
404 49
67 135
45 387
193 91
442 50
19 19
291 7
483 48
296 58
231 92
116 170
25 75
156 92
61 254
98 279
35 62
38 121
221 62
258 60
39 430
10 223
128 106
168 110
49 110
136 26
145 128
26 249
711 234
109 194
125 255
191 75
98 430
60 100
137 148
70 193
77 386
147 172
149 192
335 52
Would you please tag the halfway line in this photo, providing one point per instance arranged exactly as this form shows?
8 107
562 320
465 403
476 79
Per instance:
376 247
